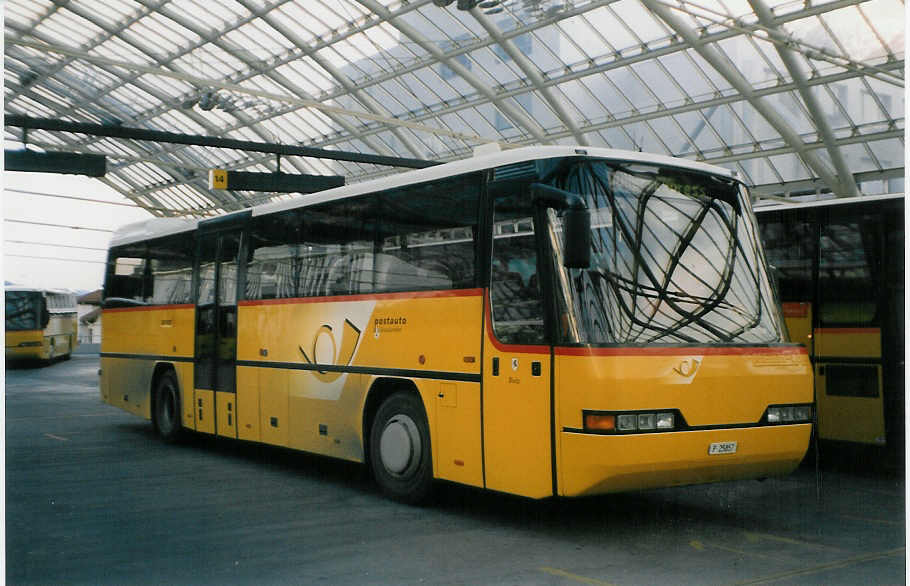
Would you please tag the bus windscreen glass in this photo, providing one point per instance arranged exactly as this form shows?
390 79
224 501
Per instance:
23 308
675 260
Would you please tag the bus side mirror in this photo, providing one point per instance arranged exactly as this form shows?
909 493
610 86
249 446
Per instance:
576 237
576 233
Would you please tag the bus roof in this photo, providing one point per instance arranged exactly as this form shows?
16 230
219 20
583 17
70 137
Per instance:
834 201
157 227
24 289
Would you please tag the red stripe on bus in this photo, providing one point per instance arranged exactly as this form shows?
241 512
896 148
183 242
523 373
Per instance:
704 351
367 297
148 308
795 309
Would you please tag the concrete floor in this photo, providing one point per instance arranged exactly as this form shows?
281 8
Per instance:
94 498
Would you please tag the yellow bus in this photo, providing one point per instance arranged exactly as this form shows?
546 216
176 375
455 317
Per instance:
544 321
839 265
41 324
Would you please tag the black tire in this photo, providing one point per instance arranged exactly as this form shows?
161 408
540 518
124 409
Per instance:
166 408
400 452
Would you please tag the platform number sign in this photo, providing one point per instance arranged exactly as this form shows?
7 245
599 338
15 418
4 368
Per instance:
218 179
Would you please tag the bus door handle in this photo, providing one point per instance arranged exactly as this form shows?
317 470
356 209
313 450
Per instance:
496 366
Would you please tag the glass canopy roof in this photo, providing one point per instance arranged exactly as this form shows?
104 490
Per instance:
797 96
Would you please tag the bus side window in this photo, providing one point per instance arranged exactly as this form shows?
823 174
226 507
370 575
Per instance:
127 279
849 272
427 237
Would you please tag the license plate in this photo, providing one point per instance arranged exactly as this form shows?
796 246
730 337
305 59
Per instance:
722 448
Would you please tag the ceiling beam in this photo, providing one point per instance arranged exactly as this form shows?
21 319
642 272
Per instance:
847 184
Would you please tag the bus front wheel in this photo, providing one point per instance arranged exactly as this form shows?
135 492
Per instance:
400 454
166 416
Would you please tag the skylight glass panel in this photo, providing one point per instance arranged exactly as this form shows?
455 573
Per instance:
701 128
112 12
851 30
116 49
659 83
26 11
585 106
167 36
169 86
438 26
68 28
635 93
890 152
617 138
790 167
758 171
755 122
581 30
210 62
890 97
33 108
717 80
646 27
309 77
216 14
683 70
405 103
292 16
886 18
614 102
258 40
677 143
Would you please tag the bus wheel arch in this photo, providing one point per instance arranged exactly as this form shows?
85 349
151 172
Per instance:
165 403
397 440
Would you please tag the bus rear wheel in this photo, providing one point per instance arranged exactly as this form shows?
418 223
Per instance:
400 455
166 415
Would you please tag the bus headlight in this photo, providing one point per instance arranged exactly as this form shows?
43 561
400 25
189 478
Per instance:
789 414
600 422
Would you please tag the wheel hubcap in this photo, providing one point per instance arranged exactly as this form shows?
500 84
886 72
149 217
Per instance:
399 446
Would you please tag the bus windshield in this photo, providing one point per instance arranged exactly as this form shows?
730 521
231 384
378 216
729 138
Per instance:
23 308
674 260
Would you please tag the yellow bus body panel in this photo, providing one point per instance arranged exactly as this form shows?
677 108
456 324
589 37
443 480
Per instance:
708 387
852 419
595 464
248 404
848 342
143 337
517 423
858 419
14 351
226 409
204 406
282 344
59 338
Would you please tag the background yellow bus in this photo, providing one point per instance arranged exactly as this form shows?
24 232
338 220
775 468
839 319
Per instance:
839 265
41 324
542 321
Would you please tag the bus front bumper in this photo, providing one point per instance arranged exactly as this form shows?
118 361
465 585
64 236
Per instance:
595 464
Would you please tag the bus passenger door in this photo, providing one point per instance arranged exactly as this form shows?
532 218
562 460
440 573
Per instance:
517 428
214 397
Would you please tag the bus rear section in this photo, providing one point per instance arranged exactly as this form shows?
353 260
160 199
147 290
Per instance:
633 418
40 324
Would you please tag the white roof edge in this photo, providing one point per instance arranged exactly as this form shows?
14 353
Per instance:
479 163
24 288
777 206
158 227
151 228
